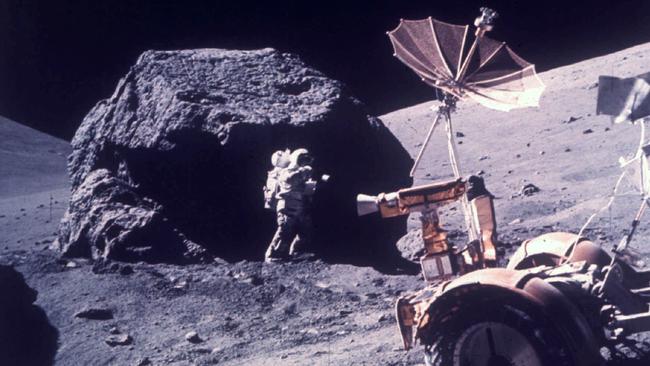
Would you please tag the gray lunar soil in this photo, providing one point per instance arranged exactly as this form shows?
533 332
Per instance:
311 312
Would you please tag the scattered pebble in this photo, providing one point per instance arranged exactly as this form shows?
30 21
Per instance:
95 314
571 119
607 129
484 157
180 285
378 282
587 131
254 280
290 309
567 149
542 152
516 221
118 340
529 189
144 362
193 337
480 172
114 330
71 264
460 134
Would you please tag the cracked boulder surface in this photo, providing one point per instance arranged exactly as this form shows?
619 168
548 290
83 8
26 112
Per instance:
187 136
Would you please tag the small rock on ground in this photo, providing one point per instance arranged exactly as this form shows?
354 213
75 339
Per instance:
529 189
193 337
95 314
119 340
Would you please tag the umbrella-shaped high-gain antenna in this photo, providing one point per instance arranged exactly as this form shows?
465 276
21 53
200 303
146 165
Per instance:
446 57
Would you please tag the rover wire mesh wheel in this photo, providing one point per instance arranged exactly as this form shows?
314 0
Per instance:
497 335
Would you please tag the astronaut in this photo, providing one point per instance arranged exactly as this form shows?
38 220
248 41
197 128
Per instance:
280 160
294 189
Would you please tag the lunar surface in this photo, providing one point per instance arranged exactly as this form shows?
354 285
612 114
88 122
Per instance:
311 312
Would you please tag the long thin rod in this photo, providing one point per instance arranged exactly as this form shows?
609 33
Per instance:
635 224
426 142
451 144
637 155
470 54
628 238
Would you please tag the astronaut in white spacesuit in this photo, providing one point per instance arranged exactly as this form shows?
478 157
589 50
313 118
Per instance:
290 190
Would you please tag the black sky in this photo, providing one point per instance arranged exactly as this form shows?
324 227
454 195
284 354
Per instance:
58 58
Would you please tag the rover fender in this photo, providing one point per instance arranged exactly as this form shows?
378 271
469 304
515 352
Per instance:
556 248
523 290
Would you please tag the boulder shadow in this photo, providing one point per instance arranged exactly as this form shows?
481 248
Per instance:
26 336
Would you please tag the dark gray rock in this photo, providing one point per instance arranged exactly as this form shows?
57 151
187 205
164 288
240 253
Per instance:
118 340
193 337
529 189
184 144
411 246
95 314
107 219
144 362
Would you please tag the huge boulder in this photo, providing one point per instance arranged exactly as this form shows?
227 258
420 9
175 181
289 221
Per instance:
189 134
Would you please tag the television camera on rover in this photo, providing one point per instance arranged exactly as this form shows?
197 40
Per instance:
442 259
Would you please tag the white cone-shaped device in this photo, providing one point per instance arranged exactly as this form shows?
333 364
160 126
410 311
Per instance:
366 204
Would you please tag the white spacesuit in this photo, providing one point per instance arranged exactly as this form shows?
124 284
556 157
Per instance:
294 189
280 160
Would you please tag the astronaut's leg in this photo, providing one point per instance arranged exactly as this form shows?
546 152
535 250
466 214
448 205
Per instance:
303 236
279 247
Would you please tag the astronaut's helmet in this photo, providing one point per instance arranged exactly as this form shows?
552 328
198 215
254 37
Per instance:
281 159
300 157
